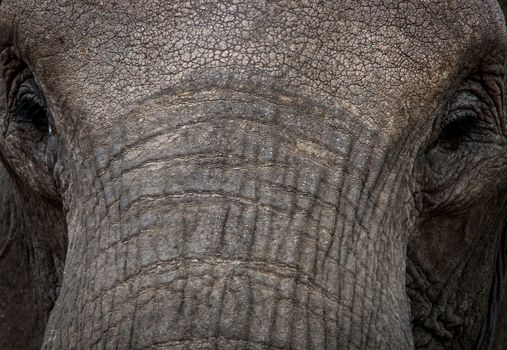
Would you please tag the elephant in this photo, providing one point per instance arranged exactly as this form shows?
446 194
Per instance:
327 174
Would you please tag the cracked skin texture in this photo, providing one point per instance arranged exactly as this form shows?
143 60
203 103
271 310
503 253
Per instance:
252 175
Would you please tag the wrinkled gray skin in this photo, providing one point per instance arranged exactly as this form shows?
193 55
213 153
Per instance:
253 175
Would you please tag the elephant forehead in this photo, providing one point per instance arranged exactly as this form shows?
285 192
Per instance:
363 56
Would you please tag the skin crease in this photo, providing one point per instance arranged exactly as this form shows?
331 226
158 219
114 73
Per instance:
254 175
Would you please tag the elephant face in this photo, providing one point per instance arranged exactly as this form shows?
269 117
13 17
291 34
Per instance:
252 174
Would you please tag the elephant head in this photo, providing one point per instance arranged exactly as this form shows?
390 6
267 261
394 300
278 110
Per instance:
252 174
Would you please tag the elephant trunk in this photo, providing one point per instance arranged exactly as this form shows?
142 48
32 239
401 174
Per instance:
240 220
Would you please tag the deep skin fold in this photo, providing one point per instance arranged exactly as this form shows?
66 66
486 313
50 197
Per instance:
247 177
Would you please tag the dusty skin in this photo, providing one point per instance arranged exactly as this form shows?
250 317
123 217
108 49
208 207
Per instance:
253 174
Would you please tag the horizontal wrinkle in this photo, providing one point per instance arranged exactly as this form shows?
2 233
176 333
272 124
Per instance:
257 345
295 104
201 156
216 161
189 198
289 101
191 195
213 264
280 129
256 285
303 234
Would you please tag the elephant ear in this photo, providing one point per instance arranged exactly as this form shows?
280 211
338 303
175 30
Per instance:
18 319
33 244
500 281
18 326
32 256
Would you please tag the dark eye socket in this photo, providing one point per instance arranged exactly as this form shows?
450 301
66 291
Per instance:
463 126
29 111
27 107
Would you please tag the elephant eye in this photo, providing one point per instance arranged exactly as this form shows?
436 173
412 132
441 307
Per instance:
29 108
463 126
468 119
26 104
467 136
